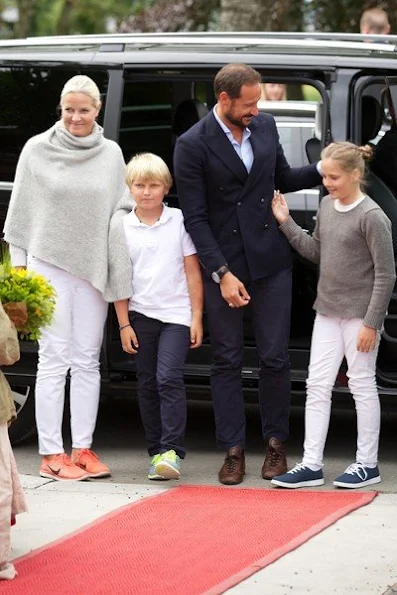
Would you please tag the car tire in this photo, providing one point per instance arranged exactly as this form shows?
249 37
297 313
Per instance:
24 426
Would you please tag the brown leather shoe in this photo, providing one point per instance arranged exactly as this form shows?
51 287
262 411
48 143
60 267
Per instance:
275 460
233 469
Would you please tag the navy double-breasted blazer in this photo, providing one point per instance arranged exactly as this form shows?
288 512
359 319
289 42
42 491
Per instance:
228 211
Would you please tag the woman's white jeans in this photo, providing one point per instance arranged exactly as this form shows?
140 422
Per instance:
332 339
73 342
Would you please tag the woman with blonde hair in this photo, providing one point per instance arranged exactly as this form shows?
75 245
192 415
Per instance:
67 184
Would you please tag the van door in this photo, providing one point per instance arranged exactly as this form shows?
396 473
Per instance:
371 123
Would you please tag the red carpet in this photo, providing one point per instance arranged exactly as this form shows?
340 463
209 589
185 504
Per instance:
188 541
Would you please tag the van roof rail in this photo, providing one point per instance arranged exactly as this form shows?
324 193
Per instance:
237 40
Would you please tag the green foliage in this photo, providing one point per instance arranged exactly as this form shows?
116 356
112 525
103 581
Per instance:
21 285
65 17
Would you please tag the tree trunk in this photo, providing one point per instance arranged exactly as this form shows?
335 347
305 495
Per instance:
261 15
65 22
25 25
243 15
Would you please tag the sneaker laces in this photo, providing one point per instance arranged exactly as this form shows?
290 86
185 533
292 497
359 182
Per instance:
357 469
88 453
298 467
170 455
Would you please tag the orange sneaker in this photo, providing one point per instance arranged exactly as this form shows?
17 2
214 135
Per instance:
87 460
61 468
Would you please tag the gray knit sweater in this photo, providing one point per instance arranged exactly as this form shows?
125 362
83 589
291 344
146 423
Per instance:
65 191
355 252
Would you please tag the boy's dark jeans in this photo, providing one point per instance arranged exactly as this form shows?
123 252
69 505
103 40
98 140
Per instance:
160 360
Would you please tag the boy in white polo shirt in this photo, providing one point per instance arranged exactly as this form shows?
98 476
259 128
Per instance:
163 317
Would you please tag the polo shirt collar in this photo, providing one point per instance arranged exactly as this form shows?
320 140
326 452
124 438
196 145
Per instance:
133 220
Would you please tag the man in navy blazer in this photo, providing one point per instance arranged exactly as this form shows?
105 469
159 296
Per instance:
227 167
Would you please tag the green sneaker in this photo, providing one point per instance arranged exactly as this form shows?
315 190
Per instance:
168 465
152 471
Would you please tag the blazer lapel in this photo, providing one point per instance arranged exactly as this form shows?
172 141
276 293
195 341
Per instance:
220 145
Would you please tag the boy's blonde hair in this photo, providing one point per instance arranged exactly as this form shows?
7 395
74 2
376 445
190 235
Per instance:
147 167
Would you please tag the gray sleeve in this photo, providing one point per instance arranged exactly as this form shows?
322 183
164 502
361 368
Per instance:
377 230
307 245
118 285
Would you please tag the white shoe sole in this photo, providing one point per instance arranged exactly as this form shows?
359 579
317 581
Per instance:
302 484
362 484
101 474
167 471
57 478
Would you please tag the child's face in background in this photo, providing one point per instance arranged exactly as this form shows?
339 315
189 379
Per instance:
274 91
339 183
148 194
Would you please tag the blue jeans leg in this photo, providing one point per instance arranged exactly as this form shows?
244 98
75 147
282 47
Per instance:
160 360
172 351
148 332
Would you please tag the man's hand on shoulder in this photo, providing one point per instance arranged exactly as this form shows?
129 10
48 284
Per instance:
233 291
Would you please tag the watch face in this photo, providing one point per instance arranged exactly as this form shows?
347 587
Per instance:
215 277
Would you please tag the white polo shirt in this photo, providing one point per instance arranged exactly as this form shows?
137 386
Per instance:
159 284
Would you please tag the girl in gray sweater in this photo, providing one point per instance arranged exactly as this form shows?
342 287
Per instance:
352 244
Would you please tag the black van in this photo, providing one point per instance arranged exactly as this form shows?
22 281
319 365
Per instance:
155 87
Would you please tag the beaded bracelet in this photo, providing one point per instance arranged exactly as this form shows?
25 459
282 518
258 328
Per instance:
125 326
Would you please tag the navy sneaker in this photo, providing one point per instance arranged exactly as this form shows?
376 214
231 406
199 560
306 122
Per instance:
299 477
357 476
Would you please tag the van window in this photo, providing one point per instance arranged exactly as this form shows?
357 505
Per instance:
146 119
29 98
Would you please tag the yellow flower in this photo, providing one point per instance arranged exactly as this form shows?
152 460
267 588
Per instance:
21 285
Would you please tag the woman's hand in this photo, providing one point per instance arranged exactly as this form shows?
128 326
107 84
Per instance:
280 207
366 340
129 340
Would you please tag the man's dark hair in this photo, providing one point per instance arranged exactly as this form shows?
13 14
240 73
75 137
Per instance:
232 77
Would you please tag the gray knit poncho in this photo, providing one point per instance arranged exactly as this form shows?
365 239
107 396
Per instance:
65 191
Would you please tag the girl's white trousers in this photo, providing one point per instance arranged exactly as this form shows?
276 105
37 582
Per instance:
332 339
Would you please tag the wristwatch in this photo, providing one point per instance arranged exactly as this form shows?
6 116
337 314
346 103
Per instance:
217 275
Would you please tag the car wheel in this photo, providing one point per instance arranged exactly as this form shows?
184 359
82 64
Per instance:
25 425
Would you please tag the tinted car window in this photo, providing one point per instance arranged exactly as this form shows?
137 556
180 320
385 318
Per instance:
146 119
29 97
